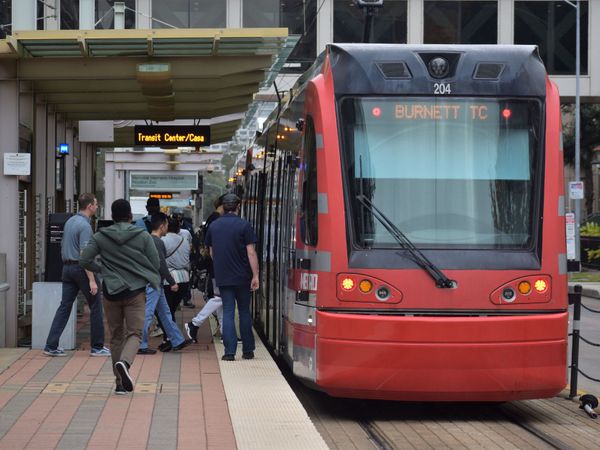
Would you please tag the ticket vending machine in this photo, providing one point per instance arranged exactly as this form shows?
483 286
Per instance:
56 228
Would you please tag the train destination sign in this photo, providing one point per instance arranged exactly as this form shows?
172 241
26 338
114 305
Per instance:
177 135
445 111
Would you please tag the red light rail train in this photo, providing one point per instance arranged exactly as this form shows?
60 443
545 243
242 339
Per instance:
410 217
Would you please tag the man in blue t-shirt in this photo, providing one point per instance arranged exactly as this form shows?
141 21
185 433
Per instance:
231 241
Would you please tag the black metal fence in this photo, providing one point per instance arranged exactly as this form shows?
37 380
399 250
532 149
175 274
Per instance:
575 300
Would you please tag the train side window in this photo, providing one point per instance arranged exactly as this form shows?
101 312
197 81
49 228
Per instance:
309 186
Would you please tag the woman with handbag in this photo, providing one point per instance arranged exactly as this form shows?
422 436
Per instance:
178 261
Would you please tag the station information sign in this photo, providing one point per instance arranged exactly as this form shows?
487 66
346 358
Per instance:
177 135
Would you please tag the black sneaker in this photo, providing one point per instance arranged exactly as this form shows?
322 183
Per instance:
189 305
120 390
122 369
192 331
165 346
248 355
228 358
146 351
183 345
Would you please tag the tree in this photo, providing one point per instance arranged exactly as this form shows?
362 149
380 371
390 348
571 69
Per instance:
589 141
227 162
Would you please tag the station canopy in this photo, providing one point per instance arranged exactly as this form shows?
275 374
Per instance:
207 75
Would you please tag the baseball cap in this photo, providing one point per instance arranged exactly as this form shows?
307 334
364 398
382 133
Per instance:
231 199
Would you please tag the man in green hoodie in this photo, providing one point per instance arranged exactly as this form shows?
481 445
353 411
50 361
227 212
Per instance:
129 261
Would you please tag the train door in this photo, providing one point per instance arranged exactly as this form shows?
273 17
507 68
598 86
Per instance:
305 280
251 199
276 260
286 249
268 277
261 188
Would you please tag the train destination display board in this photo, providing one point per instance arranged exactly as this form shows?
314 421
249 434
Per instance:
444 111
177 135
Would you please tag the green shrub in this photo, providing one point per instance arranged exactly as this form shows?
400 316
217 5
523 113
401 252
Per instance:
590 229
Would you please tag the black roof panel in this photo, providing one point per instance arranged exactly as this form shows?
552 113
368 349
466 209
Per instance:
357 69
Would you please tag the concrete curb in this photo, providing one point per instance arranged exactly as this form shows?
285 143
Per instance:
588 290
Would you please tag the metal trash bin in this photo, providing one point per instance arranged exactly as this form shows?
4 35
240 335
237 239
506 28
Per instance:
46 299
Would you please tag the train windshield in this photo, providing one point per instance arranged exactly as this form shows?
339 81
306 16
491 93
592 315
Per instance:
447 172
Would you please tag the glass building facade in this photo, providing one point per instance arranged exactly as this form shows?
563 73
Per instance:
549 24
456 22
5 18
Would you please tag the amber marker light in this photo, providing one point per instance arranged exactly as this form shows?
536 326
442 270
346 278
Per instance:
347 284
540 285
365 286
524 287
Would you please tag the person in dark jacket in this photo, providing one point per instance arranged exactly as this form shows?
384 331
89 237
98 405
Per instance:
231 240
153 207
156 299
129 262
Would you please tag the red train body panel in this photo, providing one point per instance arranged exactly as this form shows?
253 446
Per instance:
411 340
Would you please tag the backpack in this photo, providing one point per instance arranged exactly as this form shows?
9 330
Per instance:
148 224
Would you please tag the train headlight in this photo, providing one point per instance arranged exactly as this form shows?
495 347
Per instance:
347 284
509 295
524 287
540 286
365 286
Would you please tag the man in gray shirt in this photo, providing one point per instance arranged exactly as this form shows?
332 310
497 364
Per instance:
77 233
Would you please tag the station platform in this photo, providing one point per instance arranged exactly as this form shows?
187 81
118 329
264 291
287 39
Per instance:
187 399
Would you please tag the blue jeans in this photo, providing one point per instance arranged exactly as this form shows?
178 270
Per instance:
156 300
74 279
241 294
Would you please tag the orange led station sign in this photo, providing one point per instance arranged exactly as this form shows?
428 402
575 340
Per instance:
175 135
161 195
447 111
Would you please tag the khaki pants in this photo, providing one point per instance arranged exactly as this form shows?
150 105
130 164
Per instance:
126 321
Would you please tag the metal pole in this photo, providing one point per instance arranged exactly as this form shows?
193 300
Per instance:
577 124
575 340
577 133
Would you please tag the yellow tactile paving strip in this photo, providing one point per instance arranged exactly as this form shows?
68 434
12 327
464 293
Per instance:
9 356
265 412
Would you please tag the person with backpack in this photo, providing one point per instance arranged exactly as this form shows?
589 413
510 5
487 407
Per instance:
153 207
128 262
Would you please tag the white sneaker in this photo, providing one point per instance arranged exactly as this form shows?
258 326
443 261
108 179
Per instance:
156 333
100 352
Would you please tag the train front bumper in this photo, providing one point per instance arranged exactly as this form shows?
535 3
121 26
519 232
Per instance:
432 358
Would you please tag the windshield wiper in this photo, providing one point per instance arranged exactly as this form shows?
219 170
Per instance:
441 280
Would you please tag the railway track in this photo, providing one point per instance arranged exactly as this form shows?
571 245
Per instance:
364 424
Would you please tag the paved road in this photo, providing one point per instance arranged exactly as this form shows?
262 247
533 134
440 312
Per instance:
589 356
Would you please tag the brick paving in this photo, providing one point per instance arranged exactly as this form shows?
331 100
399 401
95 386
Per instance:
68 403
